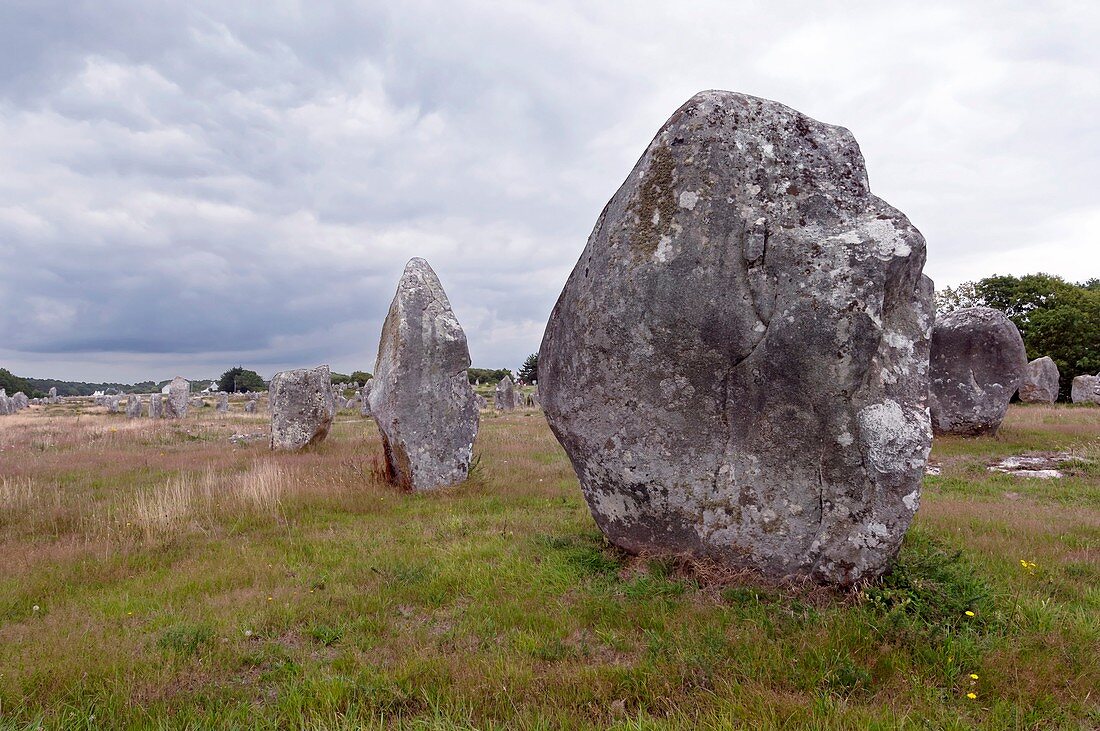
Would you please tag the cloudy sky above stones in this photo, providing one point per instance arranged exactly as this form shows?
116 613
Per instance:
189 185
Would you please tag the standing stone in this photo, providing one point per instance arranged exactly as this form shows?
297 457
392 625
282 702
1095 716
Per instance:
421 397
155 408
53 395
20 401
505 395
1040 382
737 366
364 398
113 404
6 408
1085 390
175 406
133 406
301 407
221 402
977 362
250 406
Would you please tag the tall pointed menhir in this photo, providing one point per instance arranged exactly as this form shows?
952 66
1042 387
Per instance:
421 397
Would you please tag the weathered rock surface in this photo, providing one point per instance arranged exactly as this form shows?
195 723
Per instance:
301 407
250 406
221 402
420 395
977 362
737 366
1040 382
53 395
133 406
1085 390
504 396
156 410
175 406
20 401
113 403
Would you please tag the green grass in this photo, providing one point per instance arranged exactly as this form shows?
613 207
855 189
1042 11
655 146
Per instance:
499 605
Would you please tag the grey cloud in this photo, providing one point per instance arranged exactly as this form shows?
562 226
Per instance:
189 185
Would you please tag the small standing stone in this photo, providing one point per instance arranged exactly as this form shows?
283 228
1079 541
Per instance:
250 406
156 410
179 390
221 402
1040 382
505 395
1085 390
364 398
301 407
133 406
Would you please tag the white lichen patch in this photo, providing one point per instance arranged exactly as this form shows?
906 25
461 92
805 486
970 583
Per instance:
688 199
896 439
912 501
664 250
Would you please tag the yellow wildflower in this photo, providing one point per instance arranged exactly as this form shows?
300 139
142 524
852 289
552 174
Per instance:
971 695
968 613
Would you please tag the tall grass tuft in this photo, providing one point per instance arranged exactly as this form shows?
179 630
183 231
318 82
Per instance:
190 500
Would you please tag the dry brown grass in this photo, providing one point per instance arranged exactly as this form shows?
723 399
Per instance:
492 604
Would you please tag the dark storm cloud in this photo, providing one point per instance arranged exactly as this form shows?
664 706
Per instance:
190 185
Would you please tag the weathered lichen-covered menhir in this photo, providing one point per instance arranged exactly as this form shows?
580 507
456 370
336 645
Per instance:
737 366
420 395
977 362
301 407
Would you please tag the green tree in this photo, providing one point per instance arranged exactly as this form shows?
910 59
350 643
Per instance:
13 384
1055 318
487 375
949 299
240 379
529 371
360 376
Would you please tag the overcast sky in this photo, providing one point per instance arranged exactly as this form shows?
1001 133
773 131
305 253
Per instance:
185 186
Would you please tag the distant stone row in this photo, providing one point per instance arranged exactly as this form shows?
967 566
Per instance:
978 363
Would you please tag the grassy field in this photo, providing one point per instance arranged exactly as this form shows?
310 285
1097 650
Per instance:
167 575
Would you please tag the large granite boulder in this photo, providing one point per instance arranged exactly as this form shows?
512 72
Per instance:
113 403
420 396
1039 384
179 391
6 407
504 395
133 406
737 366
20 401
977 362
1085 390
301 407
52 395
